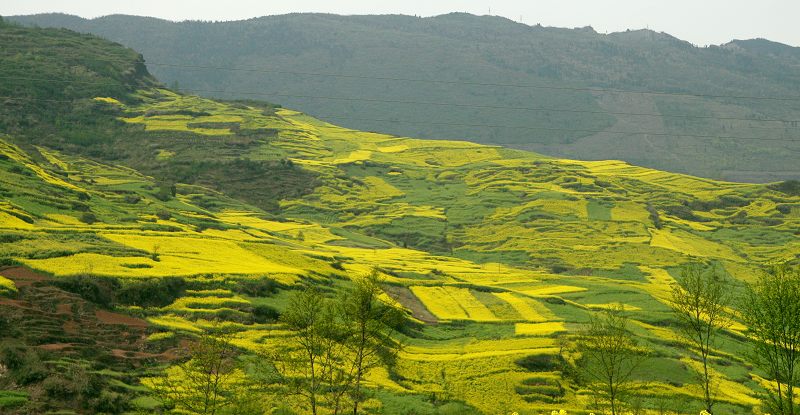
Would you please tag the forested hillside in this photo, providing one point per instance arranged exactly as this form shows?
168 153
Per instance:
145 231
544 89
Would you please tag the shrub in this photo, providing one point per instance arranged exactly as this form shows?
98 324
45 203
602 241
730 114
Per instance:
166 191
79 206
60 388
153 292
88 218
541 362
265 314
654 216
132 199
263 287
24 364
164 215
110 402
12 356
99 291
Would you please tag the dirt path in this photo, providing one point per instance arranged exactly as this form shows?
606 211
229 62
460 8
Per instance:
407 299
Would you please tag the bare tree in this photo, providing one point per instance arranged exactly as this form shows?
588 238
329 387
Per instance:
370 323
699 301
609 357
336 371
299 364
206 382
771 310
315 365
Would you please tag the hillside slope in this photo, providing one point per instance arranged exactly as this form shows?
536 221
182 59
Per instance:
498 256
477 55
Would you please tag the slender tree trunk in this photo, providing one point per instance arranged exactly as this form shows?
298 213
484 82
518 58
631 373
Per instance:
780 393
706 381
313 395
612 395
359 367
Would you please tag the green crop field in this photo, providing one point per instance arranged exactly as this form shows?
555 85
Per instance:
498 256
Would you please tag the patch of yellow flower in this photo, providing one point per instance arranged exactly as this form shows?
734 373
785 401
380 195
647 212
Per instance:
525 307
539 329
7 285
453 303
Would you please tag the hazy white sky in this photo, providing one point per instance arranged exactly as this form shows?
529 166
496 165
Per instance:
701 22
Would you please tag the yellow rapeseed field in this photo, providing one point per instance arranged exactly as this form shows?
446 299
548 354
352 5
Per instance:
453 303
524 306
539 329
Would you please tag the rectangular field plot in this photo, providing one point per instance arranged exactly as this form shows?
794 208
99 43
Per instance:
539 329
474 349
453 303
526 308
553 290
168 256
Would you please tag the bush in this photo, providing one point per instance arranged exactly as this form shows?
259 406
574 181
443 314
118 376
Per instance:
265 314
263 287
166 191
96 290
153 292
25 364
541 363
12 356
91 384
164 215
59 387
654 216
88 218
110 402
132 199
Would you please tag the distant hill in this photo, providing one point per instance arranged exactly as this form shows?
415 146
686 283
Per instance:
469 50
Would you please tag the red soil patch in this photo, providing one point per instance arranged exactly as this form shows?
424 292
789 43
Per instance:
107 317
64 308
22 276
55 347
42 310
13 303
70 327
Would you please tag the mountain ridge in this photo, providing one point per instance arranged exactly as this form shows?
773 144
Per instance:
77 18
480 50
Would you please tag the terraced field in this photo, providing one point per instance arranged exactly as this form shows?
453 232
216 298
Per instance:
507 251
208 213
